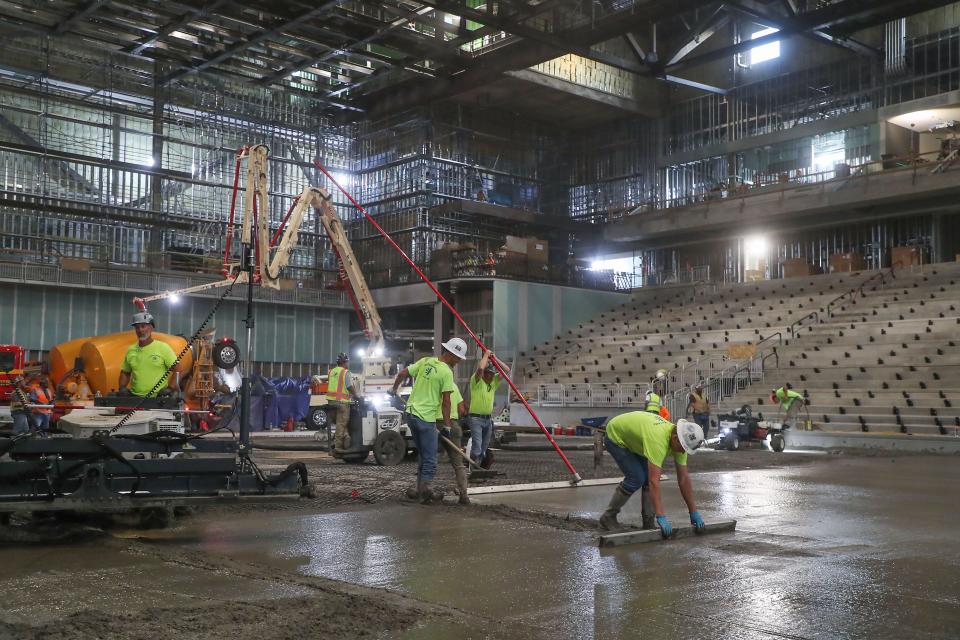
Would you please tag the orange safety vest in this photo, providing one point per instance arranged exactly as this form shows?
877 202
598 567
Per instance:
42 398
664 412
336 386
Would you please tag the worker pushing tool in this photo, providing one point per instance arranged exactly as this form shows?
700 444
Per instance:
430 402
639 442
790 402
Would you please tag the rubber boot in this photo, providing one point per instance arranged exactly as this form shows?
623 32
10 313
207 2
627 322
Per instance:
647 512
461 473
425 490
608 520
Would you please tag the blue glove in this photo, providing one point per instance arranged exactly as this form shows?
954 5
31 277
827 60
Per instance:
697 520
665 527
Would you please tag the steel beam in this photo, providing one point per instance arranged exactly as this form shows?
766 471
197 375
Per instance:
695 85
753 10
715 20
184 20
252 40
858 14
78 16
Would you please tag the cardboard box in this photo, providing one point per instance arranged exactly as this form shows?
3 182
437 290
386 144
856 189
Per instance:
75 264
538 251
796 267
516 244
905 256
287 284
754 275
844 262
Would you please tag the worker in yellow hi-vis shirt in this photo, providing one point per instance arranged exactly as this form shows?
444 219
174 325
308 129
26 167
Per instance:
639 442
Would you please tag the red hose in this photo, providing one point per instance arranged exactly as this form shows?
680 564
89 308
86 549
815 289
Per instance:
446 303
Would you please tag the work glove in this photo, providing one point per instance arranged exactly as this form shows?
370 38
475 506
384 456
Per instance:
125 392
697 520
665 527
445 432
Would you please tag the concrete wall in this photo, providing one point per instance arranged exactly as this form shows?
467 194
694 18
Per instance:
39 318
525 314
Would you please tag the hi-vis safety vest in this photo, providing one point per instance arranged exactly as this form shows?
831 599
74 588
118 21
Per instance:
42 398
336 386
700 404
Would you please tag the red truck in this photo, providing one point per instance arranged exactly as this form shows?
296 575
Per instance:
11 366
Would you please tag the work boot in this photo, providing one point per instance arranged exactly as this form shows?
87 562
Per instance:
608 520
647 512
412 492
461 474
426 492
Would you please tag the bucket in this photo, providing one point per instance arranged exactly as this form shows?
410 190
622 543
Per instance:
571 431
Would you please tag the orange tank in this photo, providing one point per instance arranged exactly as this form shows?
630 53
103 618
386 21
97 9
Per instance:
103 355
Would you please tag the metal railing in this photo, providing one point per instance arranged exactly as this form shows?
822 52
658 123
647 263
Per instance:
857 290
796 325
147 282
591 395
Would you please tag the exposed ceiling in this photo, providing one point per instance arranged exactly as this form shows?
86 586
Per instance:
375 58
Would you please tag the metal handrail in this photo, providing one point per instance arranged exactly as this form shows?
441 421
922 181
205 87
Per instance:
796 325
777 335
852 293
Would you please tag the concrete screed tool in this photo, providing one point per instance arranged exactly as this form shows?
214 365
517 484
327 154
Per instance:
652 535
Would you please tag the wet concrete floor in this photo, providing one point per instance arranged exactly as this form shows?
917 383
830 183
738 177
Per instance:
845 547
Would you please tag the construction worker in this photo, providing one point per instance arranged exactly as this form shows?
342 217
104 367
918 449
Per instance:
40 415
147 365
639 442
790 402
341 394
699 408
483 387
430 402
18 407
452 437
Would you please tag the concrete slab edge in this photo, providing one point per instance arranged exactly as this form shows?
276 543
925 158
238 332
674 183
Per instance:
537 486
652 535
873 440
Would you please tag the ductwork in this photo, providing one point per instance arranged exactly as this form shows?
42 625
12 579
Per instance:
895 47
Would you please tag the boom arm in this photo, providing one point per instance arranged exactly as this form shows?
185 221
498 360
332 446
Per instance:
320 199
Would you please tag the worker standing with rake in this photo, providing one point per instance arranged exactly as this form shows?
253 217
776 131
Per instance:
430 402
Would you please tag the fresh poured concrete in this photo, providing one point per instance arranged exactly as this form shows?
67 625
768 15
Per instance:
843 547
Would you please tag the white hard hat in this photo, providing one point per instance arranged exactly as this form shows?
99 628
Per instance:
143 317
690 435
661 374
457 347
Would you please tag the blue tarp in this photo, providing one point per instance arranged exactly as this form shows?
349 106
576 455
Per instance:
292 399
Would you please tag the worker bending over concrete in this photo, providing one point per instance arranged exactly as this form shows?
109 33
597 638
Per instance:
341 394
639 442
146 363
483 387
18 407
429 403
790 402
